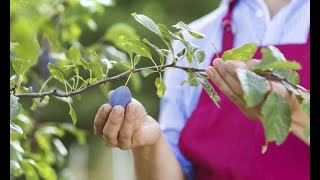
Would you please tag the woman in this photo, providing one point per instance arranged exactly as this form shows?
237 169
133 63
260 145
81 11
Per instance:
196 140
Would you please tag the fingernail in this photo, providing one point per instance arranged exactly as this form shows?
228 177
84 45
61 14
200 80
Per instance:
117 110
132 108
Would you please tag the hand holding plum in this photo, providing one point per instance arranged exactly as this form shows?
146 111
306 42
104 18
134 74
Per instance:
124 122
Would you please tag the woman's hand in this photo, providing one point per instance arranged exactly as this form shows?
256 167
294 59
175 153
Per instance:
126 128
223 74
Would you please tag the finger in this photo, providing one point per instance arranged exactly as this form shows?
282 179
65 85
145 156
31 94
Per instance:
226 70
222 85
101 119
111 129
251 62
126 129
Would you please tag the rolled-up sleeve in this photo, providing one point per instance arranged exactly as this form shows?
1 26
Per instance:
172 115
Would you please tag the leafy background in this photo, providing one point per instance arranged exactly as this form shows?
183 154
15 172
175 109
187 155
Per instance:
100 23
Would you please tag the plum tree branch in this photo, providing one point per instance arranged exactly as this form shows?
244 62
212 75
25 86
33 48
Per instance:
116 77
57 93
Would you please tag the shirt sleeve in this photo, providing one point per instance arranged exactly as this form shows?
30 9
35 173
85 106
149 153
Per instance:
172 115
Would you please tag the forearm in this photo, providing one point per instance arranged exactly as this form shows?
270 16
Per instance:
156 162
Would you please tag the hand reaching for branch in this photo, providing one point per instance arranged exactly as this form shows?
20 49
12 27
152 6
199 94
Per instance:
223 74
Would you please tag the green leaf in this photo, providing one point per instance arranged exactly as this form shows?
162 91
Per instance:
20 66
78 96
136 60
73 114
60 147
28 51
73 55
276 118
136 46
161 87
13 81
51 130
167 33
211 92
306 109
28 170
120 29
85 64
16 128
147 22
242 53
192 79
271 53
293 65
199 55
184 82
183 26
182 52
159 51
15 107
290 88
254 86
57 73
45 171
79 134
293 77
15 168
146 72
189 57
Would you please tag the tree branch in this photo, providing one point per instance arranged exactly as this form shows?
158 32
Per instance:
78 91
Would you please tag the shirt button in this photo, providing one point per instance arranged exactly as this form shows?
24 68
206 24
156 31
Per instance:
259 13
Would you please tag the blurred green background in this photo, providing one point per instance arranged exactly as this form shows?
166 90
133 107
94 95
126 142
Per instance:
94 160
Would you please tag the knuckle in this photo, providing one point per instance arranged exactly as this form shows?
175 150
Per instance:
123 146
124 135
108 135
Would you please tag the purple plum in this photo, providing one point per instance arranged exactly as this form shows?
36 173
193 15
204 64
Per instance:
120 96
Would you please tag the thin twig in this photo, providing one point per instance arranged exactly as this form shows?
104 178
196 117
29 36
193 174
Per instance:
116 77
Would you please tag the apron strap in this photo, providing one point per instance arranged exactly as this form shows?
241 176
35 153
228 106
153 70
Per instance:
228 28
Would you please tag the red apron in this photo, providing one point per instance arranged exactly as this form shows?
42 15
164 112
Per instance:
223 144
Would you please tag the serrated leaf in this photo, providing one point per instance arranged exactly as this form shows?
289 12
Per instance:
181 25
192 79
136 60
276 118
147 22
73 114
73 55
146 72
161 87
167 33
199 55
15 106
306 109
23 89
16 128
28 170
254 86
57 73
242 53
136 46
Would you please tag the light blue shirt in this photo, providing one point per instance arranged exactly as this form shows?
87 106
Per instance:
253 23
